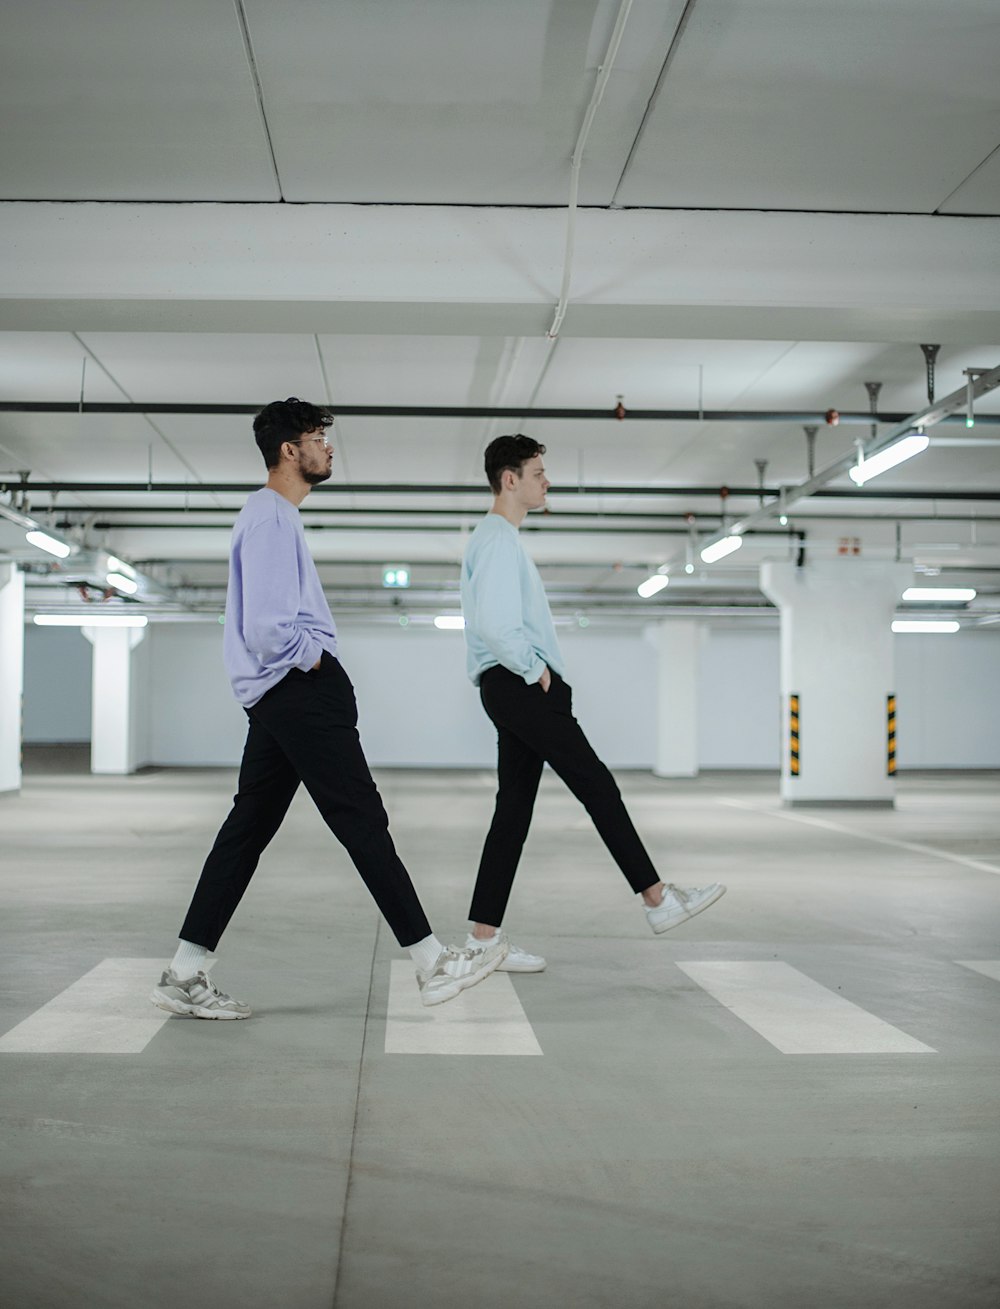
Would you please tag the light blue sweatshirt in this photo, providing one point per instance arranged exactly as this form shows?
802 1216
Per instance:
507 616
277 617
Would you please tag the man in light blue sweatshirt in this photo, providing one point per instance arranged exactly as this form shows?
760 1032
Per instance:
280 650
515 660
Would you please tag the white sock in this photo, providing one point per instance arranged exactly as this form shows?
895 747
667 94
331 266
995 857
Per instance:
474 943
189 959
424 953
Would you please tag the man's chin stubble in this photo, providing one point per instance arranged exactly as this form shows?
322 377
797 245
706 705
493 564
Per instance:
314 479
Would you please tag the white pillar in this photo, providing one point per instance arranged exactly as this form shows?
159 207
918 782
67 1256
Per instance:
11 674
118 708
837 671
676 642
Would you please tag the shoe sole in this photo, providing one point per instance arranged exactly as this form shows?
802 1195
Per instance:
668 926
506 967
463 984
180 1010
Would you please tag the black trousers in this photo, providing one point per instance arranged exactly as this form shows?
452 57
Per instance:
535 727
304 730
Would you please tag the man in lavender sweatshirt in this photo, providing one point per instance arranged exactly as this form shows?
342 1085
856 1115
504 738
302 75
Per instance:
280 650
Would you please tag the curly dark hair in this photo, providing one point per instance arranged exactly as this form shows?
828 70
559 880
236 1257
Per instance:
286 420
509 452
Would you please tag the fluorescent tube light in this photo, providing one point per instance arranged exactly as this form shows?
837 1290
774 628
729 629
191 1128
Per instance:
449 622
119 566
122 583
652 584
45 542
91 620
720 549
917 625
865 469
932 593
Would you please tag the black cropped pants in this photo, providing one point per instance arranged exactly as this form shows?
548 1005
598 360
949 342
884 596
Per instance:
536 727
304 729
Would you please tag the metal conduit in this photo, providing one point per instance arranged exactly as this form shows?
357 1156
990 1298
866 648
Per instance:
482 411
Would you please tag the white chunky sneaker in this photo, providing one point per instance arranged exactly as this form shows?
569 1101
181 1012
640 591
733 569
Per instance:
196 997
455 969
520 961
517 961
681 904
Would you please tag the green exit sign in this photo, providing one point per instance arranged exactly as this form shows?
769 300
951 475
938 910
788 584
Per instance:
395 576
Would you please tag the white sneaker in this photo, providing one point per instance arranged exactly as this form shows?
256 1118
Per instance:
455 969
520 961
196 997
681 904
517 961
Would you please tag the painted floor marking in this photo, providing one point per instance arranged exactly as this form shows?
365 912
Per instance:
107 1011
988 967
796 1014
485 1019
865 836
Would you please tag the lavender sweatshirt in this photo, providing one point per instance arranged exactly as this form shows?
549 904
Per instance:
277 617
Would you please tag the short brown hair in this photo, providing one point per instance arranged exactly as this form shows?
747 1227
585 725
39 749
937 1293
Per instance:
509 452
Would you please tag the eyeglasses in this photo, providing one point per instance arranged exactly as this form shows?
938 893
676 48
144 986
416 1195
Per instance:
305 440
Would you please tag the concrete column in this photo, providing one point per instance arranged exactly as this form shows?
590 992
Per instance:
11 674
676 642
837 660
118 709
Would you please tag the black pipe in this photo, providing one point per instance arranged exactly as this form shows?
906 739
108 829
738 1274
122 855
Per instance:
415 488
477 411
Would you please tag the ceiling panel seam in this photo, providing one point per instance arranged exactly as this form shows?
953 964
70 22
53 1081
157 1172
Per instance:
965 180
328 392
651 105
145 416
258 92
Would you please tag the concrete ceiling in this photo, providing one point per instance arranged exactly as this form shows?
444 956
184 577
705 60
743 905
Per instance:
219 203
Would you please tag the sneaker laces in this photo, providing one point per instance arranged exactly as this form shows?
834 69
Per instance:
213 991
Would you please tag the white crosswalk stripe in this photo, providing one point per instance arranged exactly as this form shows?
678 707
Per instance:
796 1014
107 1011
487 1019
988 967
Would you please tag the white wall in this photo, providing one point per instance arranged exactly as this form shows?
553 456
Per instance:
418 709
57 686
193 718
948 701
739 704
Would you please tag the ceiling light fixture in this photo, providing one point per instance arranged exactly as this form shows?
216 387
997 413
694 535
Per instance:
939 593
652 584
449 622
91 620
42 541
119 566
719 549
865 469
924 625
122 583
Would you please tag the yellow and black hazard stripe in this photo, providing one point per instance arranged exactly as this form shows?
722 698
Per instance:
793 735
891 735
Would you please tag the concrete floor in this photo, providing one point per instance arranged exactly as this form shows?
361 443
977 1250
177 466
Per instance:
661 1152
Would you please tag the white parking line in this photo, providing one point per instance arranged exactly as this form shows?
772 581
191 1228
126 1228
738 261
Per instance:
107 1011
988 967
864 836
487 1019
796 1014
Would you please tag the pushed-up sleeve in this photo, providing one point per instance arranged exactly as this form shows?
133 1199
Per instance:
498 609
270 582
